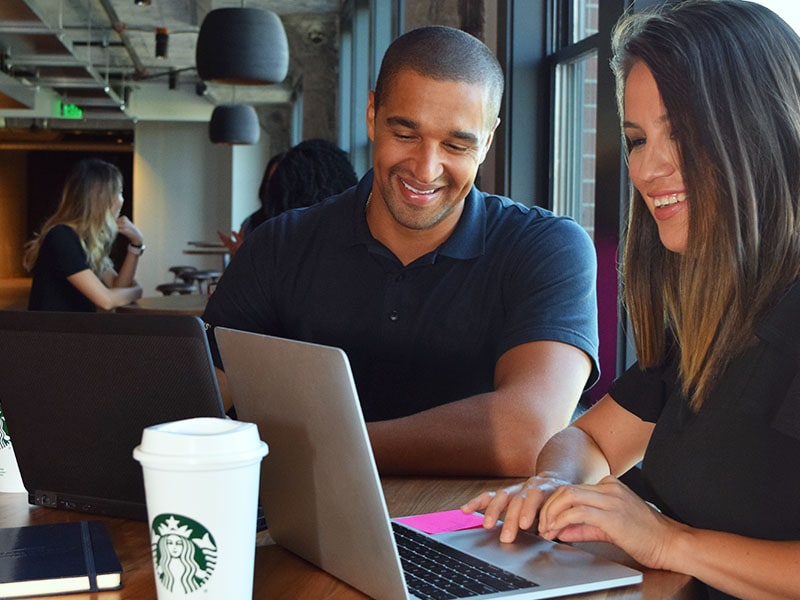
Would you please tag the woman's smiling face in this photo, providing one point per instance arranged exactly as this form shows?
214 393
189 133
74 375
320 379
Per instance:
653 160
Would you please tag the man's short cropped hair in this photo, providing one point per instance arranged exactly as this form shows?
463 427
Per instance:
445 54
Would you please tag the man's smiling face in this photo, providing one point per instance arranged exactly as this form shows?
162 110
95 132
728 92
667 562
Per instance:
429 137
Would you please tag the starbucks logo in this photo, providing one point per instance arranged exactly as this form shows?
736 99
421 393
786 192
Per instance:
184 553
5 439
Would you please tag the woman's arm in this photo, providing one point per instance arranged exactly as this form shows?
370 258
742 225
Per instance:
743 567
610 512
103 297
127 272
606 439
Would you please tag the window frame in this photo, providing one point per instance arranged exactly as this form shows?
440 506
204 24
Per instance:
611 197
367 28
533 36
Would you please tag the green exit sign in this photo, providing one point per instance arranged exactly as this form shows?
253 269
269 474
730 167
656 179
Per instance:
69 111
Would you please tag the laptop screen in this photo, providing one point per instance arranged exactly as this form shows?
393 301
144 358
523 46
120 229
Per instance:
77 389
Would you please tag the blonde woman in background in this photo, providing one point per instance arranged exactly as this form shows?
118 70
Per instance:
69 259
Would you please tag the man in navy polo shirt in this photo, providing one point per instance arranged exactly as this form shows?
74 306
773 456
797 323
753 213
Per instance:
470 321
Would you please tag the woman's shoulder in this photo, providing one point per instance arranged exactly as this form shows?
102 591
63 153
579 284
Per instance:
62 241
782 321
61 231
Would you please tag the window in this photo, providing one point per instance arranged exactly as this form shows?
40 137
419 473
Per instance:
574 124
367 28
584 21
588 178
788 11
574 138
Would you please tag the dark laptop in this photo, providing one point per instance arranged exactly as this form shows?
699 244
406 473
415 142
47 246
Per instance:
77 389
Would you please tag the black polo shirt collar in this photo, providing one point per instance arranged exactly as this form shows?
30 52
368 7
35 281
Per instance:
467 241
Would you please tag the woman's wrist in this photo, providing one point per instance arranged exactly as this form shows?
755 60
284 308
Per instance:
135 249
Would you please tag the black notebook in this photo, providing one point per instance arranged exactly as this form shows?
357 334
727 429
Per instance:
56 559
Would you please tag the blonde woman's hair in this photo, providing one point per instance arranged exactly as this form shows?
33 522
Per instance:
728 72
85 206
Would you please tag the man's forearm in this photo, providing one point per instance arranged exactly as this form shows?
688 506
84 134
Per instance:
468 437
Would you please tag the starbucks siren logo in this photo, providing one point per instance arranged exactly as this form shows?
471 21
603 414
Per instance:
184 552
5 439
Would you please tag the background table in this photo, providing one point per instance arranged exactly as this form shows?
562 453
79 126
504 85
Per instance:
181 304
212 250
280 575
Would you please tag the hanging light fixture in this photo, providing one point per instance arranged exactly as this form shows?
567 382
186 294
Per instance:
234 124
242 46
162 42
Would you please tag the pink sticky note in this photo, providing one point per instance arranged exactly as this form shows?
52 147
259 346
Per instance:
440 522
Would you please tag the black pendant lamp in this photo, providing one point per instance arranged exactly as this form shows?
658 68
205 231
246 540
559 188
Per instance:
234 124
242 46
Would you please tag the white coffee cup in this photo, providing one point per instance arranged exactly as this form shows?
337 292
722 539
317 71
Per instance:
10 478
201 487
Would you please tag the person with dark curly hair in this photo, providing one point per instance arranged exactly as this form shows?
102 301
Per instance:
304 175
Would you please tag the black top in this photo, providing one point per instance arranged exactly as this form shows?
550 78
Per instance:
60 255
425 334
733 466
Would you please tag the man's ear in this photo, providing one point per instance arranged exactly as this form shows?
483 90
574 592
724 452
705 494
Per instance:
371 115
489 139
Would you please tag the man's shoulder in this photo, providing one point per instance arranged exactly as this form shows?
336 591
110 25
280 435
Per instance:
328 221
337 206
502 211
503 207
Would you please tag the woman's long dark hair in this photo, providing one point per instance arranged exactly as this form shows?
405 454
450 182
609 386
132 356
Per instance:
728 72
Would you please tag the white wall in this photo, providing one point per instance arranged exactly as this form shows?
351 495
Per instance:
185 189
155 102
248 168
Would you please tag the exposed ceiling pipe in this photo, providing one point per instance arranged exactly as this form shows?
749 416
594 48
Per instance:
139 69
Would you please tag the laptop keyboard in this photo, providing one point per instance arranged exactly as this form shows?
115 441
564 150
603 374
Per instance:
436 571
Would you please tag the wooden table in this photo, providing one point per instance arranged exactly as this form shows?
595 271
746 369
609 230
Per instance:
280 575
181 304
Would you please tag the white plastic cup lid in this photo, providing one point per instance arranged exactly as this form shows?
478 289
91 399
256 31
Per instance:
202 439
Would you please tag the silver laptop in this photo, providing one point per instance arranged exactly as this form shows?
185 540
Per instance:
322 495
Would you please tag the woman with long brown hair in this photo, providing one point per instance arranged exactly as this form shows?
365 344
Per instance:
709 94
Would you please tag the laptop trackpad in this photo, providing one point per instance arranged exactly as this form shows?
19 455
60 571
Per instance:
546 563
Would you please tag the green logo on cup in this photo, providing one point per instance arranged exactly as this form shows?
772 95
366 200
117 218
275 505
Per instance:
184 552
5 439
